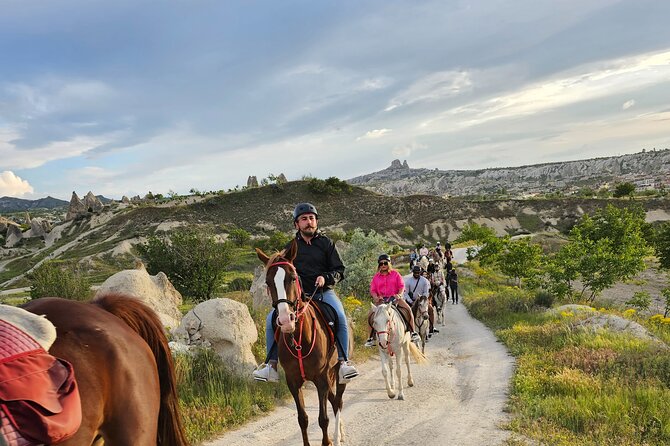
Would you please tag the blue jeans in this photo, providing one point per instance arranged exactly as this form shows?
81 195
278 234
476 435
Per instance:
342 334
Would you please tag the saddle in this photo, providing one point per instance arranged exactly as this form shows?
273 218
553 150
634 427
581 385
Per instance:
39 398
325 311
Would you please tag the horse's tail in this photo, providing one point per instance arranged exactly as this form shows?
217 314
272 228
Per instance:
144 321
419 357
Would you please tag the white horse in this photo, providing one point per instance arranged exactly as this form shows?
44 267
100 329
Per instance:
440 297
394 342
421 322
423 263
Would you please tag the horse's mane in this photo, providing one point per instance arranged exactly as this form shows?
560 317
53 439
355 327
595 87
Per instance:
274 258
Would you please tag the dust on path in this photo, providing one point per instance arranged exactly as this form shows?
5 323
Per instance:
458 398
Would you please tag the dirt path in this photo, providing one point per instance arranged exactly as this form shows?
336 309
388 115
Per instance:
458 398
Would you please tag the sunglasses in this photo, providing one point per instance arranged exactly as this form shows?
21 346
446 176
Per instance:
383 263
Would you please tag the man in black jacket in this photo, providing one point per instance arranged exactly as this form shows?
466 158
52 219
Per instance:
319 266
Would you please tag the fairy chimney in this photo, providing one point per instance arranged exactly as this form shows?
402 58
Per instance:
77 207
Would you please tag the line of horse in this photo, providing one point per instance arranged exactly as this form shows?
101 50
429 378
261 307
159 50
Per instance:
125 371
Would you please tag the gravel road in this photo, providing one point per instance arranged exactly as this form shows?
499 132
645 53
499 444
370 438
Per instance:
458 398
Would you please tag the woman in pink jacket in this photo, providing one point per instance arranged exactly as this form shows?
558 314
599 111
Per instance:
387 286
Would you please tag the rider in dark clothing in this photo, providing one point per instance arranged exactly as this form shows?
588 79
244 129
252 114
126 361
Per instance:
453 285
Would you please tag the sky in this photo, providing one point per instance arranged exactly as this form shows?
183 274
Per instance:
126 97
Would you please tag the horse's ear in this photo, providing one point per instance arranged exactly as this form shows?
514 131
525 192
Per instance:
262 256
292 251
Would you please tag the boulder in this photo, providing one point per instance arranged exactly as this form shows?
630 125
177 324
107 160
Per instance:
155 291
281 179
125 200
226 327
259 290
39 227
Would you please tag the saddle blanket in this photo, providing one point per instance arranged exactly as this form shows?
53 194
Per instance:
39 398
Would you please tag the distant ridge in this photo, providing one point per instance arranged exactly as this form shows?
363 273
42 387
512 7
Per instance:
647 169
12 204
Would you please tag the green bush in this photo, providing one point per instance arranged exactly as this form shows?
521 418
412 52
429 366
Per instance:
329 186
239 236
543 299
59 279
240 284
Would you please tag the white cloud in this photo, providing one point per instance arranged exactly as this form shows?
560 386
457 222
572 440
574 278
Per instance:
628 104
433 87
374 134
407 149
587 82
13 186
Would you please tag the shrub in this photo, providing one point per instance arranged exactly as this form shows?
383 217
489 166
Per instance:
240 284
239 236
329 186
544 299
58 279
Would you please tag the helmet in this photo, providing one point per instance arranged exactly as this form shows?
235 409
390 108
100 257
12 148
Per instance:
438 243
304 208
384 257
431 261
416 269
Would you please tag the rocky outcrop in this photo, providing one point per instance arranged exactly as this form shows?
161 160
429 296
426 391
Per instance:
14 236
252 181
259 290
225 326
125 200
39 227
76 208
92 203
155 291
281 179
399 179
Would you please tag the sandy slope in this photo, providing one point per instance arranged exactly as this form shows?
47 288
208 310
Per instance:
458 398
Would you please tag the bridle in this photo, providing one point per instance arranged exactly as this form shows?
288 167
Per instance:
390 329
299 306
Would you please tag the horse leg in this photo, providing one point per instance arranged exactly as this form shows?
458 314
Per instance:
323 388
303 420
336 402
410 380
387 369
398 365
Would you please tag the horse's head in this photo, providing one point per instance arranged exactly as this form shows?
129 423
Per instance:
382 322
283 284
422 306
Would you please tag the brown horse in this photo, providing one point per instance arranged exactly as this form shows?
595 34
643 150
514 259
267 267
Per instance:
123 367
307 350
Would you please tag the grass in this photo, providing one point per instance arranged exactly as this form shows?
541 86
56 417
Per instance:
573 387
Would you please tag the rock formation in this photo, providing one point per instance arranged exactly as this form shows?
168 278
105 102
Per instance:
92 203
155 291
252 181
14 235
76 208
259 290
281 179
225 326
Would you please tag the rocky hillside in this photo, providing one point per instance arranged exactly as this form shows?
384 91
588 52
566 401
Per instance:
645 168
113 230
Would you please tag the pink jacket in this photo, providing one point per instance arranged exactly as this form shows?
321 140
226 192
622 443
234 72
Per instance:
386 285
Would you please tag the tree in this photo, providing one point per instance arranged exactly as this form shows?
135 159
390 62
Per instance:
360 259
193 260
624 190
641 301
58 279
520 259
239 236
662 245
475 232
605 248
666 295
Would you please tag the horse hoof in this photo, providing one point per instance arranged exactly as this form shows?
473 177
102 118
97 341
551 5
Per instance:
391 395
401 397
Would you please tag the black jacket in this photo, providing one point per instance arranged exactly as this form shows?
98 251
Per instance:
320 258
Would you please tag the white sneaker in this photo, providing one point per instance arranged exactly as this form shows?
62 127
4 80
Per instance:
370 342
347 371
266 373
